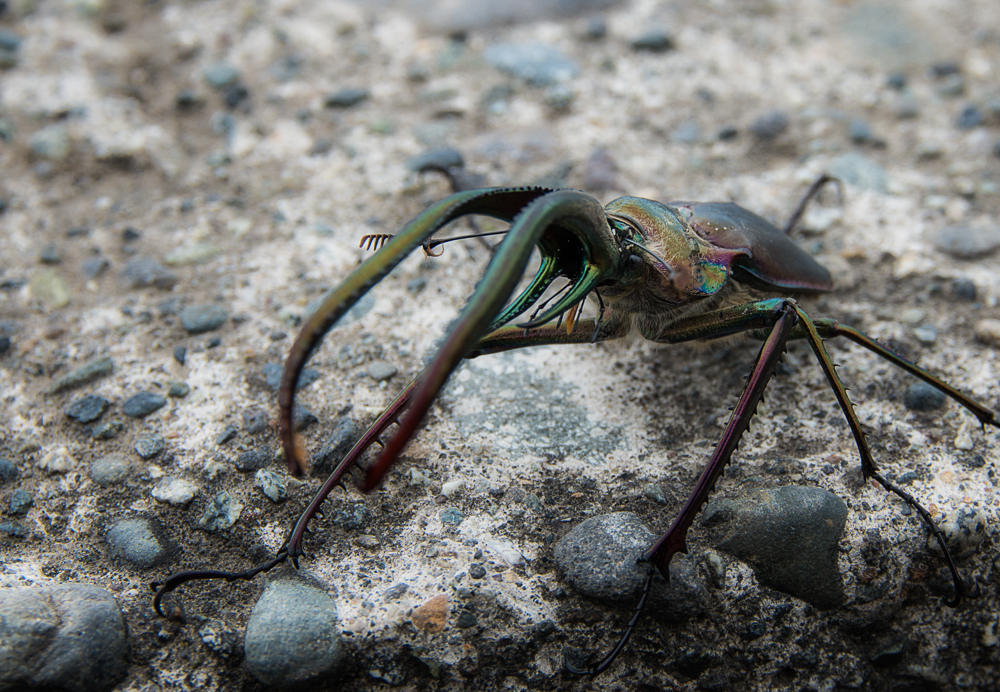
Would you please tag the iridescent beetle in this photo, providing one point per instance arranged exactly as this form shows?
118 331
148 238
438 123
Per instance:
672 272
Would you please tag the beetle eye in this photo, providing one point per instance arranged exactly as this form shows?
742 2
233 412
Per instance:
633 263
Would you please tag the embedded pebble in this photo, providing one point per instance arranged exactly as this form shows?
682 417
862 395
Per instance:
207 317
92 267
536 63
347 97
107 430
988 332
860 131
88 409
13 529
653 41
221 513
452 516
180 354
271 484
910 316
436 159
395 591
969 117
926 335
255 420
86 373
49 287
273 371
221 75
292 635
144 272
254 459
51 142
451 487
788 535
380 370
302 418
654 491
177 389
109 469
599 557
336 446
58 460
921 396
174 491
227 434
964 529
197 253
61 636
8 471
967 241
964 289
143 404
431 616
20 502
769 125
148 447
219 637
860 171
477 571
135 540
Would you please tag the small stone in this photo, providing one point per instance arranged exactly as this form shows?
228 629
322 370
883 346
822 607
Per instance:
769 125
58 460
109 469
988 332
964 289
187 99
274 371
221 75
921 396
964 529
221 513
254 459
144 272
466 619
48 286
596 29
135 541
432 616
13 529
896 81
271 484
442 159
952 85
180 354
302 418
143 404
208 317
477 571
177 389
235 95
292 635
8 471
227 434
380 370
687 133
969 118
911 316
219 637
193 254
860 171
654 491
93 267
107 430
727 132
452 516
150 446
536 63
174 491
906 105
51 143
345 98
559 96
860 131
62 636
653 41
368 541
395 591
415 285
925 335
966 241
88 409
336 447
4 344
20 502
50 254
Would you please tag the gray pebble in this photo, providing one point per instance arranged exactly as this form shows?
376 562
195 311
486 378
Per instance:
559 96
175 491
969 118
20 502
381 370
395 591
477 571
302 418
687 133
221 513
859 171
336 447
4 344
145 272
416 285
466 619
64 636
88 409
92 267
135 540
436 159
255 420
352 517
964 289
13 529
860 131
254 459
50 254
107 430
964 530
273 372
952 85
227 434
906 105
177 389
769 125
599 557
180 354
653 41
345 98
221 75
198 319
271 484
52 143
452 516
292 635
86 373
789 536
966 241
219 637
149 446
8 471
596 29
654 491
9 40
921 396
925 335
143 404
536 63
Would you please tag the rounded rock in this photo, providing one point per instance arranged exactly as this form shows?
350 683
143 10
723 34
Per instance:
769 125
109 469
271 484
8 471
988 332
88 409
20 502
142 404
964 530
380 370
207 317
135 540
292 635
254 459
221 513
921 396
174 491
150 446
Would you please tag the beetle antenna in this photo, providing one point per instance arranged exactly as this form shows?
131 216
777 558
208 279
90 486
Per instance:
374 241
810 194
643 248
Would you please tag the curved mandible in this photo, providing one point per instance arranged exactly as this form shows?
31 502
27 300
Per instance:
566 209
501 203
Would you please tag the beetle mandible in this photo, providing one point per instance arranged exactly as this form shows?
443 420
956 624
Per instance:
672 272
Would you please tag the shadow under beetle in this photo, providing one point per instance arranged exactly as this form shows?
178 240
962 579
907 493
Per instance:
673 272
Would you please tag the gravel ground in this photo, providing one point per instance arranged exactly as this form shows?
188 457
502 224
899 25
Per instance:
181 179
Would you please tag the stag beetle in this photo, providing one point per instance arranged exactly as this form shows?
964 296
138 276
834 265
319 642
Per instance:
672 272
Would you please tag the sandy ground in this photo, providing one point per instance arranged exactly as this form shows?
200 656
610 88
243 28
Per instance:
271 194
